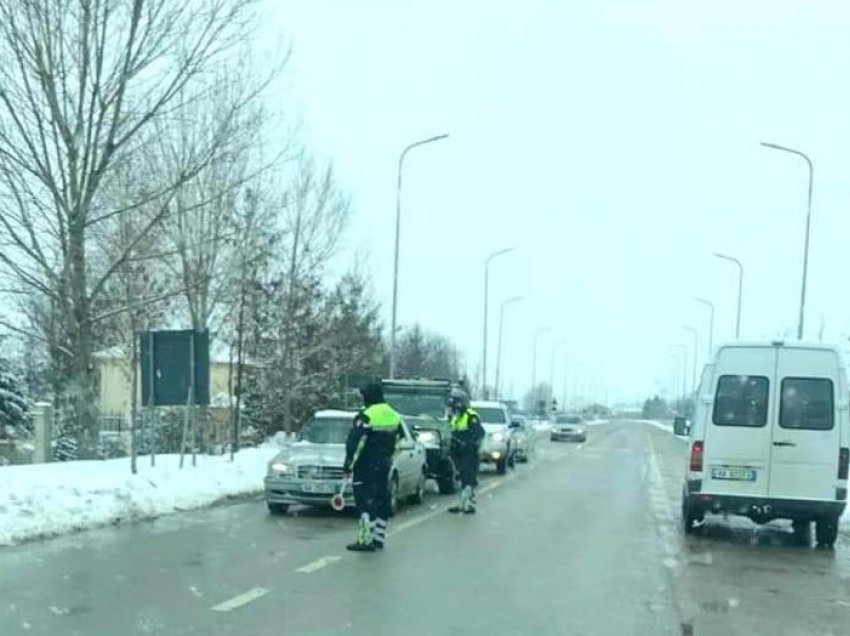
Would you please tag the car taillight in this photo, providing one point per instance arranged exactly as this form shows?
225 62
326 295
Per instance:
696 457
843 461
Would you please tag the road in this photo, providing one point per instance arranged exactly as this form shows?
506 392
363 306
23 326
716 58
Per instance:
583 540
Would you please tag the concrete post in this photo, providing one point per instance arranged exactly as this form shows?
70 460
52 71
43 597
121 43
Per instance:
42 416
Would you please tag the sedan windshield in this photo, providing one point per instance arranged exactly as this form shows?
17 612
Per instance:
569 419
325 430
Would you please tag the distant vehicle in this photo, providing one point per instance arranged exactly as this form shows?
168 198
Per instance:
424 406
681 426
570 428
769 438
524 437
309 471
497 446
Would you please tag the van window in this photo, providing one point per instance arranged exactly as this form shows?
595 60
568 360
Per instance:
807 403
741 400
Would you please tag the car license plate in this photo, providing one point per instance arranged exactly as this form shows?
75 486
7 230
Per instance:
733 473
319 488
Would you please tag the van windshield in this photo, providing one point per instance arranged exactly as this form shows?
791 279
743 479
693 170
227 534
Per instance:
807 403
741 400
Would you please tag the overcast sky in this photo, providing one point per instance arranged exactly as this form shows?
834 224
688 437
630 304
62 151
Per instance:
614 144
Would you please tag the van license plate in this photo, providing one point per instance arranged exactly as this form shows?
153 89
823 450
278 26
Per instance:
733 473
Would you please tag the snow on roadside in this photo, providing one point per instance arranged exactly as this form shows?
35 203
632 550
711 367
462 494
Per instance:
41 500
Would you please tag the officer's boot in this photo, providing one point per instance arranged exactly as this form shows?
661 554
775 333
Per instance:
471 504
364 541
379 537
464 501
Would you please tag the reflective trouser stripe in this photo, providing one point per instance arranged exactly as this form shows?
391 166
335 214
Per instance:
364 529
381 530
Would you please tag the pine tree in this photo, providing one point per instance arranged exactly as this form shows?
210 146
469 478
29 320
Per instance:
13 405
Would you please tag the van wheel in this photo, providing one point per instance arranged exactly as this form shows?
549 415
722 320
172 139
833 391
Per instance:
691 517
277 508
802 532
827 531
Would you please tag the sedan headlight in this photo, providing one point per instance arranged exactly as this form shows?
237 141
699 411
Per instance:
498 437
279 468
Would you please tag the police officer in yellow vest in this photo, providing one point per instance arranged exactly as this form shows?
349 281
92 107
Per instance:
368 455
467 434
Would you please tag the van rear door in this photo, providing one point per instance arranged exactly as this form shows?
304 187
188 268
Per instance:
806 430
737 433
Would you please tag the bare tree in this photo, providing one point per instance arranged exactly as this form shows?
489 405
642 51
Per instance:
81 86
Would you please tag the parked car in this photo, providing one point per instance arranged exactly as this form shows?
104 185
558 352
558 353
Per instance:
570 428
524 438
497 447
309 471
769 438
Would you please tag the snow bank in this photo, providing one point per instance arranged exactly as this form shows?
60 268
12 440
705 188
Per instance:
41 500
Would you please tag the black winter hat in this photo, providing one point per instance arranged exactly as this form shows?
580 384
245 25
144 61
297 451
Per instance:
373 393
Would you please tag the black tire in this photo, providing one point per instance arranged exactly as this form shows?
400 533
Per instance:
393 495
502 466
691 517
277 508
802 532
511 459
418 497
826 529
447 480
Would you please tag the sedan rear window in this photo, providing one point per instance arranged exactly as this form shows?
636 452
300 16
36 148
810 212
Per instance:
807 403
741 400
491 415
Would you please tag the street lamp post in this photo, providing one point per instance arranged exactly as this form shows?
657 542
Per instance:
808 161
695 334
495 254
684 351
710 305
553 353
734 260
397 235
537 335
505 303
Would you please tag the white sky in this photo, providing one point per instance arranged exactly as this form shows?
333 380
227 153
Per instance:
614 144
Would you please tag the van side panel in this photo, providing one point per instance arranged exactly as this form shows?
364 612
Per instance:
807 426
737 456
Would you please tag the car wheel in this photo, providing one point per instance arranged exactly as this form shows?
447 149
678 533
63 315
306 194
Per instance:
418 497
826 529
502 466
393 494
277 508
447 481
802 532
691 517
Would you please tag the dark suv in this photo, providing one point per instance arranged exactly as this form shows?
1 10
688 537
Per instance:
424 406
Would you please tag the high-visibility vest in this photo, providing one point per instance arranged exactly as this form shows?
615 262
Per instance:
461 422
382 417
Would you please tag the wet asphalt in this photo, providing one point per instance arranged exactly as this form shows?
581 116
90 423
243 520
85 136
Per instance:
585 539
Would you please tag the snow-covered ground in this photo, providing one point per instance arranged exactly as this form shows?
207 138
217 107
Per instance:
41 500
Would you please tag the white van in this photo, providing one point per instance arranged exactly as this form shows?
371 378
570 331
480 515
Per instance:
769 438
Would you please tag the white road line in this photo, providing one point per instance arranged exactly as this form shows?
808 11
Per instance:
238 601
407 525
318 564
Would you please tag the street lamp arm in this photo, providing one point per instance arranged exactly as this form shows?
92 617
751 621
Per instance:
799 153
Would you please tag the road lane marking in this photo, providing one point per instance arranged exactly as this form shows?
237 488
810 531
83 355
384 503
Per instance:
318 564
238 601
412 523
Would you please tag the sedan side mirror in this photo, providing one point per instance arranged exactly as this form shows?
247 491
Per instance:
515 425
